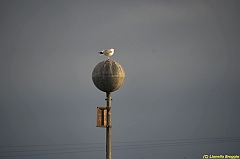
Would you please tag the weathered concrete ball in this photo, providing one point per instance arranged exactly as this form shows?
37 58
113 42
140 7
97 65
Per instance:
108 76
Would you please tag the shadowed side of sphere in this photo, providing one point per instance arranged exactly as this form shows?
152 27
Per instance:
108 76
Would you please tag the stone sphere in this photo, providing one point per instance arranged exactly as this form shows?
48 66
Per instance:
108 76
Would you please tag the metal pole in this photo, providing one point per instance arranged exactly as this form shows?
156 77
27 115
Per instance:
109 127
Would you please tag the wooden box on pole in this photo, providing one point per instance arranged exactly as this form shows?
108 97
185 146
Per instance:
101 117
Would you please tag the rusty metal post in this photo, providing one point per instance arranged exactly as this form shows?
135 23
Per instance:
109 127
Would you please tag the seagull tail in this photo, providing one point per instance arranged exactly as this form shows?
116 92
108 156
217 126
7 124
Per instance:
101 53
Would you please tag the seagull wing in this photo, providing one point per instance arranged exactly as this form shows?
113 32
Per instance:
108 51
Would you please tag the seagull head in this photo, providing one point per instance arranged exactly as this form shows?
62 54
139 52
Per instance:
112 49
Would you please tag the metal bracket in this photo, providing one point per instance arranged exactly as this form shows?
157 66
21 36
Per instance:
111 99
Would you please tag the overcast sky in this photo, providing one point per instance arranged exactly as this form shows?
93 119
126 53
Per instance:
181 94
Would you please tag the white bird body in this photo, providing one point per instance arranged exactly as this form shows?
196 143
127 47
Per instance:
107 53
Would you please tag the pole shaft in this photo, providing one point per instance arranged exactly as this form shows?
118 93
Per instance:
109 127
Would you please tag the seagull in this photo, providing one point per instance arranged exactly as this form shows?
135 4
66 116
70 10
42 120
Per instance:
107 53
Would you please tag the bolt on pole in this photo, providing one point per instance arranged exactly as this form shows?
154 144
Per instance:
109 127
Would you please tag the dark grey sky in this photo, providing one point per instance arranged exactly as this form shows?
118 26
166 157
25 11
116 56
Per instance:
182 64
